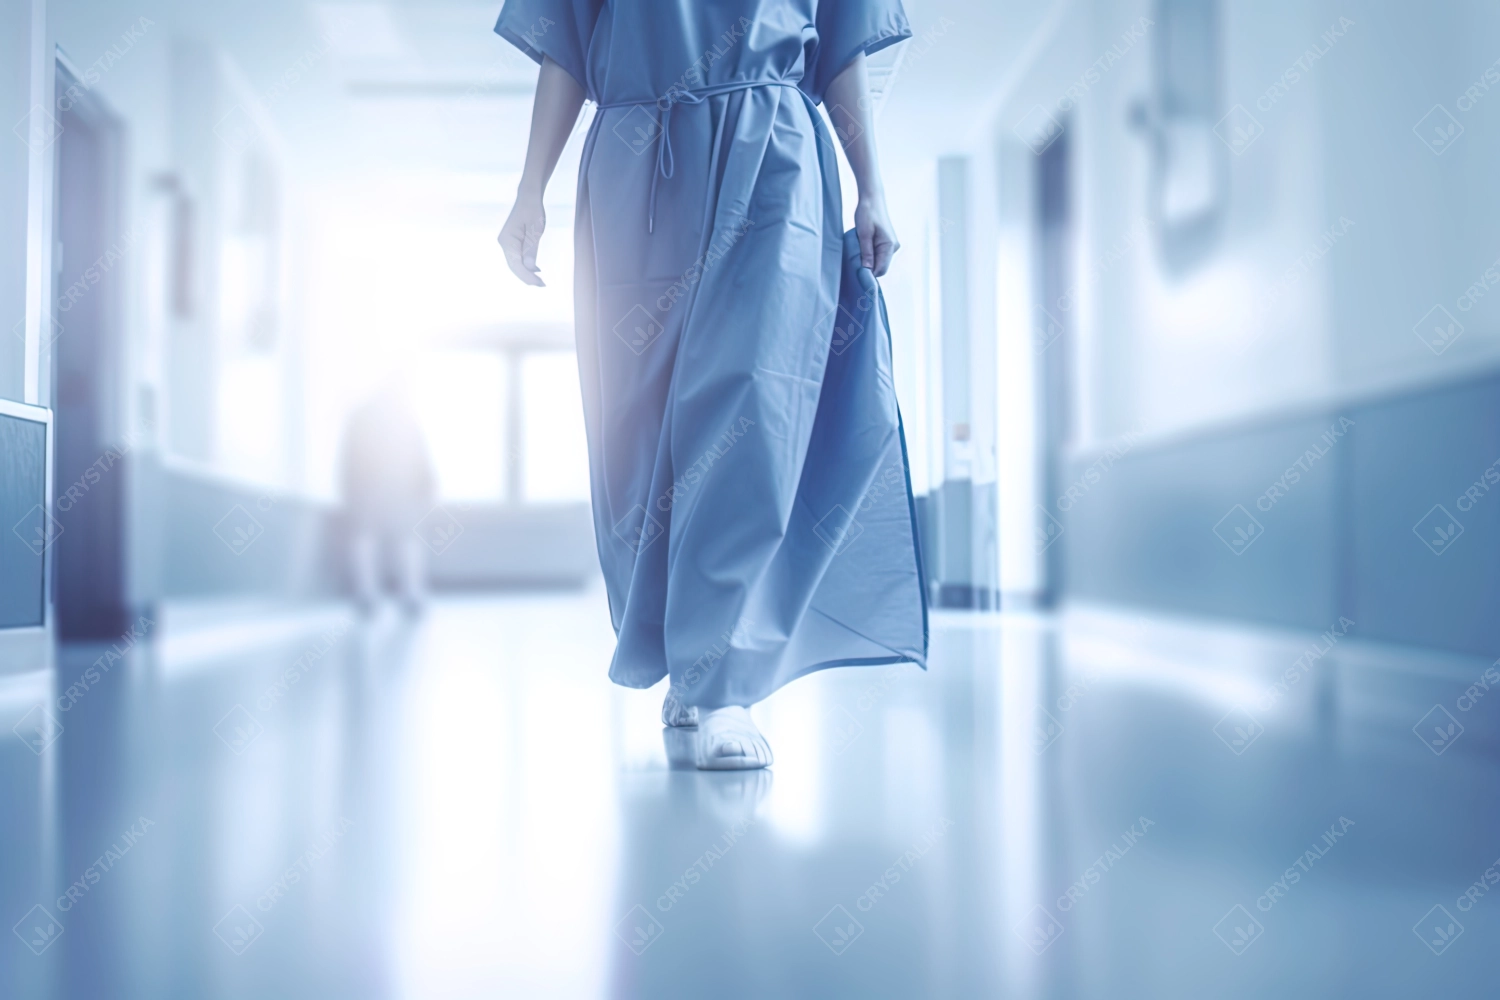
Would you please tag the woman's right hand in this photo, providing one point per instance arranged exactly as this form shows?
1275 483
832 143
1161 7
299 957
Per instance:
521 234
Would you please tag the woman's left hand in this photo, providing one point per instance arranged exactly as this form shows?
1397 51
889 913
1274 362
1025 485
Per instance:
877 237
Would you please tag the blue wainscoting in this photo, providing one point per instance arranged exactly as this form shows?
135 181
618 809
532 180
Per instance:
23 498
1144 532
531 545
1413 454
202 535
1339 541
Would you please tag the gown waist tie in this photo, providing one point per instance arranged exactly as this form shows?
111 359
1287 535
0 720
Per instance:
665 165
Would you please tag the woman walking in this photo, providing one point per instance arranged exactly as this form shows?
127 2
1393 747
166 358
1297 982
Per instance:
751 501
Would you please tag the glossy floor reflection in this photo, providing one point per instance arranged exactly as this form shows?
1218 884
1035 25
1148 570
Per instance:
266 805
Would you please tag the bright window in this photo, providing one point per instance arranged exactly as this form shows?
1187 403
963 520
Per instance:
555 449
459 397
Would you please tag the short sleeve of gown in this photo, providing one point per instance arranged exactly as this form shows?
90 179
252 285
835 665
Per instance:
845 29
558 29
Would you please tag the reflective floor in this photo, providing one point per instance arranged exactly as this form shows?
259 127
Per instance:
1097 805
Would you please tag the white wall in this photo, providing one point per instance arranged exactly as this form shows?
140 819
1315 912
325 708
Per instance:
1343 229
1165 353
141 61
1429 225
19 45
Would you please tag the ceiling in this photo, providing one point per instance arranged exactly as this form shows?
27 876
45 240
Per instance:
424 88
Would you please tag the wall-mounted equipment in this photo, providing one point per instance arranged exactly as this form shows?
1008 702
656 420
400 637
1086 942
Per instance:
1188 194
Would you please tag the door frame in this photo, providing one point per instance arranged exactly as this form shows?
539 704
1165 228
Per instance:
110 387
110 128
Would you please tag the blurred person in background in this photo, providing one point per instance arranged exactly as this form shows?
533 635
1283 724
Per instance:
388 486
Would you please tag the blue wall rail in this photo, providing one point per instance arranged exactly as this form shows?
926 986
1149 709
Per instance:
1385 512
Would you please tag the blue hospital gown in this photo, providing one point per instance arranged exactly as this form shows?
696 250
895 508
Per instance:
751 499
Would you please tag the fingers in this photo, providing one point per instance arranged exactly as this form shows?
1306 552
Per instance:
866 234
510 243
529 246
517 267
520 246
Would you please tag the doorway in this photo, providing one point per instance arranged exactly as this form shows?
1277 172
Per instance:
86 362
1054 341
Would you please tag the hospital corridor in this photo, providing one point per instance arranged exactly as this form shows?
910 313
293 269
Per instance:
922 499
